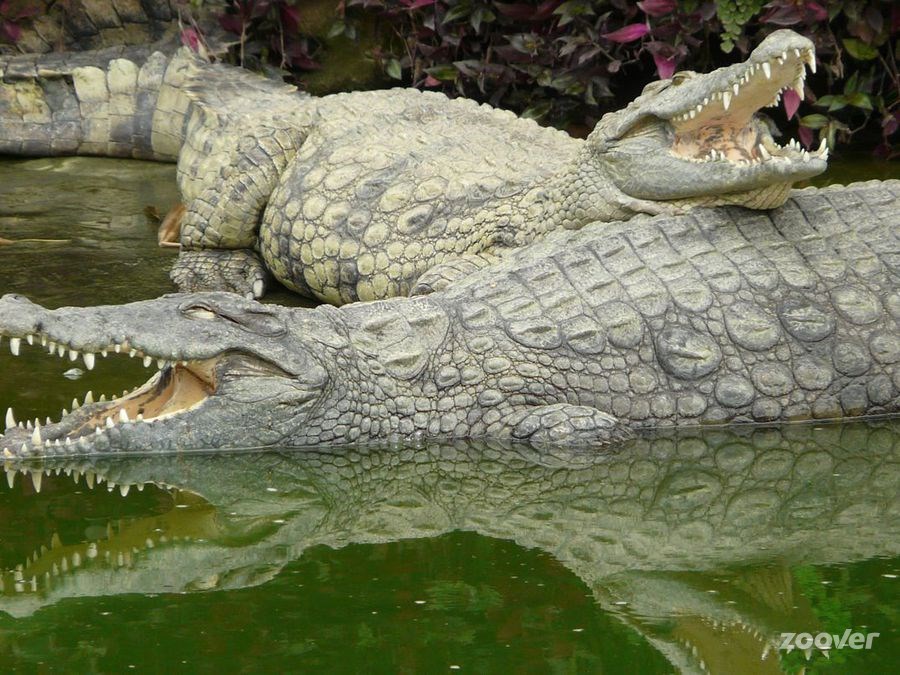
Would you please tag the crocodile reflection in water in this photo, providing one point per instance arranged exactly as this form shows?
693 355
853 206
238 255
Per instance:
632 525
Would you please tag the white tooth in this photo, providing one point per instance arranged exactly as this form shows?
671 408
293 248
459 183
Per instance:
10 420
48 422
10 476
699 107
72 355
780 61
767 69
123 415
88 360
43 340
103 353
726 99
14 345
61 350
147 361
117 349
132 353
36 436
823 146
51 347
784 55
796 52
64 412
89 398
160 363
36 477
693 114
765 153
75 404
102 398
140 417
258 288
736 88
28 424
811 62
706 101
805 156
29 339
123 490
89 478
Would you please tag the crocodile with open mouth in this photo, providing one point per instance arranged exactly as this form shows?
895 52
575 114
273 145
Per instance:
719 315
370 195
689 538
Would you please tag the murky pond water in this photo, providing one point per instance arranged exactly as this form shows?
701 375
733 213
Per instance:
673 553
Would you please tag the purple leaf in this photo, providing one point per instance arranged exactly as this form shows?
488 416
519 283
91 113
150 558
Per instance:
657 7
190 38
664 66
791 101
9 32
629 33
818 12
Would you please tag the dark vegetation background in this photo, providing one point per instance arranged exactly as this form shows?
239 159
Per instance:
563 62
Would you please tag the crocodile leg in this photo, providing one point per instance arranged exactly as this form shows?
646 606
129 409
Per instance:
450 271
565 423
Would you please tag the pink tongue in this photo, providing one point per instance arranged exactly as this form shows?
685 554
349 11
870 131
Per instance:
791 102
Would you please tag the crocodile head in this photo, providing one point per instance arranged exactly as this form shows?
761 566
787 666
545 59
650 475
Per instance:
232 373
699 139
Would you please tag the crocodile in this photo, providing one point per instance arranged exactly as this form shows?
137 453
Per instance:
718 315
688 537
370 195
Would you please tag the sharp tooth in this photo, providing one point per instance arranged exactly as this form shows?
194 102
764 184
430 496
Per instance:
784 55
767 69
736 88
763 152
88 360
89 398
43 340
10 475
140 417
61 350
14 344
72 355
810 61
102 398
692 114
36 436
132 353
160 363
805 156
798 87
797 52
47 421
706 101
51 347
64 412
117 349
28 424
780 61
147 361
36 477
123 415
104 352
89 478
726 99
10 420
699 107
29 339
123 490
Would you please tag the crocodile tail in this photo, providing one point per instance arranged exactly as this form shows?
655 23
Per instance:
118 102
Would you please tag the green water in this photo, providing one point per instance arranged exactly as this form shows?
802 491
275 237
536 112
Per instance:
672 551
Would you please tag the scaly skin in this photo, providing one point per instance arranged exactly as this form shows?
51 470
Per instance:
633 524
372 195
721 315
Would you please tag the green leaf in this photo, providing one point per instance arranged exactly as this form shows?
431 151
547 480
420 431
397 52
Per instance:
393 69
859 50
815 121
446 72
457 12
538 110
832 102
861 100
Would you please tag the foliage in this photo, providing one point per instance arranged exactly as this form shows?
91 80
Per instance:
563 61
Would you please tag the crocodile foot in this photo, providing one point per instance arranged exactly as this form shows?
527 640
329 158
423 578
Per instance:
565 423
450 271
238 271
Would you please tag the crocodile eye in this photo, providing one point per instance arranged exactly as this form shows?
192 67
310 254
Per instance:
681 76
199 313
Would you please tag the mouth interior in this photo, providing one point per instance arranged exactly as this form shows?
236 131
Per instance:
176 388
723 126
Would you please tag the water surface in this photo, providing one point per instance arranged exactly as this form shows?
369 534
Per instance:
673 553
